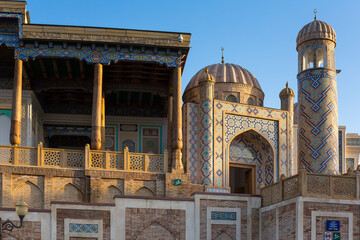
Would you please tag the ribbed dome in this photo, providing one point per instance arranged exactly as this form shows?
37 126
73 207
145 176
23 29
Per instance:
225 73
316 30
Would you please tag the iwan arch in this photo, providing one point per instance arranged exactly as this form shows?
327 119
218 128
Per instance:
102 146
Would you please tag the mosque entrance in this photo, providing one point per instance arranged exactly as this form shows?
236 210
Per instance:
242 179
251 162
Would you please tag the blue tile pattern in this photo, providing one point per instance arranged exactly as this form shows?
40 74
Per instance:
227 216
192 143
206 142
83 228
318 121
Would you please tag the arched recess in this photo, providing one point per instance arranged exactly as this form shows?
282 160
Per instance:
69 193
31 194
155 232
223 236
231 98
321 57
109 193
308 59
5 122
251 162
144 191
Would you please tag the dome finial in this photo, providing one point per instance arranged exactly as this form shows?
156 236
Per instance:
222 55
315 13
287 85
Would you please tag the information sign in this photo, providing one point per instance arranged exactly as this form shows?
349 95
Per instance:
332 225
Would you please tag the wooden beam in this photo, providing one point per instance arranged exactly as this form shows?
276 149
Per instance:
56 69
82 70
68 66
43 69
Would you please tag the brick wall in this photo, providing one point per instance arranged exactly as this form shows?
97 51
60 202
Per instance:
39 186
29 231
321 221
61 214
287 222
144 224
221 231
204 204
268 224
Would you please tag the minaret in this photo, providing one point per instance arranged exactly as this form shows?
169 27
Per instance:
287 104
206 114
317 93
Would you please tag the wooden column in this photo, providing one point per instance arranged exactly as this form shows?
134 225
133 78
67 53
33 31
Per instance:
96 109
177 140
170 123
15 129
103 122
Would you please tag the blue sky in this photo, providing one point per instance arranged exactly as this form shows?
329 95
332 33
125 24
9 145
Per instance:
257 35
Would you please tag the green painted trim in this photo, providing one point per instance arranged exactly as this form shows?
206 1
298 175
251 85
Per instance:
6 112
151 126
116 134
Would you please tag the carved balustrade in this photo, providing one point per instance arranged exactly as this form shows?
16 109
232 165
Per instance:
313 185
88 159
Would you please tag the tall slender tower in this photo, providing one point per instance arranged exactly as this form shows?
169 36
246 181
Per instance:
317 93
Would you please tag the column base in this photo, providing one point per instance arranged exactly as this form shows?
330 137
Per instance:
177 166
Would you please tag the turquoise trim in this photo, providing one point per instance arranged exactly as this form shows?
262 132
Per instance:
116 134
6 112
151 126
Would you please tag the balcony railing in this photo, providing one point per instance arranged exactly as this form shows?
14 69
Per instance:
313 185
87 159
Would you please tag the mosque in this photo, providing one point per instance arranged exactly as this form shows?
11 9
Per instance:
97 139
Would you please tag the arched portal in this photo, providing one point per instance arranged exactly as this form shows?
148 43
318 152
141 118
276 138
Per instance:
251 162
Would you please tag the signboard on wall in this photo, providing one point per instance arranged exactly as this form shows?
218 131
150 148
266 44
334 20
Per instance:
328 236
332 225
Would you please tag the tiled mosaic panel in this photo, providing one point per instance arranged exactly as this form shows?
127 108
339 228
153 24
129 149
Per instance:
229 216
349 164
251 148
206 142
340 152
318 121
191 140
10 29
83 228
245 111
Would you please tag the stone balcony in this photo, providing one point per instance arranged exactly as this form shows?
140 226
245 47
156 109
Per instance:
313 185
87 159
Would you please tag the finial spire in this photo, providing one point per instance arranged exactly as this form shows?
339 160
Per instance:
287 85
206 70
315 13
222 55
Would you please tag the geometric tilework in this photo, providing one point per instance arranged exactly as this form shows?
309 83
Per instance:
206 142
340 152
253 149
9 29
83 228
96 56
192 144
230 216
273 124
318 121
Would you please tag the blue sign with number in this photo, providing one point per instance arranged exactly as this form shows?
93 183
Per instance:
332 225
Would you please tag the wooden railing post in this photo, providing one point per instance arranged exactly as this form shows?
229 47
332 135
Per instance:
282 178
357 185
302 181
87 156
107 161
126 158
166 160
16 155
40 154
63 158
146 167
